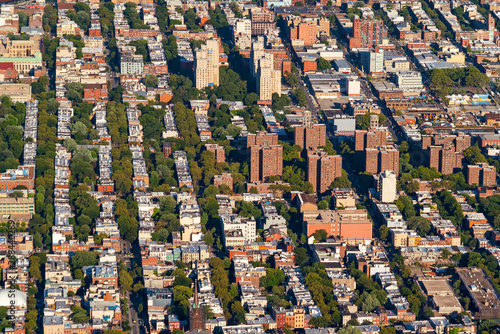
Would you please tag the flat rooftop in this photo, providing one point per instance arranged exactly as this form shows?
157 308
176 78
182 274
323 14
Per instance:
436 287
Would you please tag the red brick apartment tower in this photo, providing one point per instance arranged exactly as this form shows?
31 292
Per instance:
379 159
366 33
481 174
265 161
218 151
310 137
371 161
262 137
322 169
369 139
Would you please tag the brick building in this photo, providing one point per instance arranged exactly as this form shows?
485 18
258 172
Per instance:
445 151
306 31
481 174
218 151
262 20
7 71
261 138
322 169
224 178
366 33
349 224
265 161
22 176
167 149
380 159
310 137
369 139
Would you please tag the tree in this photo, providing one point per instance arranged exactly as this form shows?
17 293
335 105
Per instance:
319 322
404 147
369 303
182 293
301 256
473 155
251 99
125 279
320 235
291 79
34 268
323 64
341 182
420 224
150 80
78 128
405 205
323 205
383 233
82 258
428 312
487 325
208 238
300 97
274 277
349 330
79 315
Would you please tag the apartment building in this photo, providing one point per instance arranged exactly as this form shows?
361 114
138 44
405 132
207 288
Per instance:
322 169
218 151
268 79
265 161
132 64
386 186
380 159
366 33
262 138
481 174
262 20
372 138
206 64
224 178
312 136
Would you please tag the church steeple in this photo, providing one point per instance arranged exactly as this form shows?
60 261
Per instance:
195 303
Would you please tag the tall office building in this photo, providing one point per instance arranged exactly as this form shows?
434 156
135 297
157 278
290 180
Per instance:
366 33
207 64
311 136
265 161
386 186
322 169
